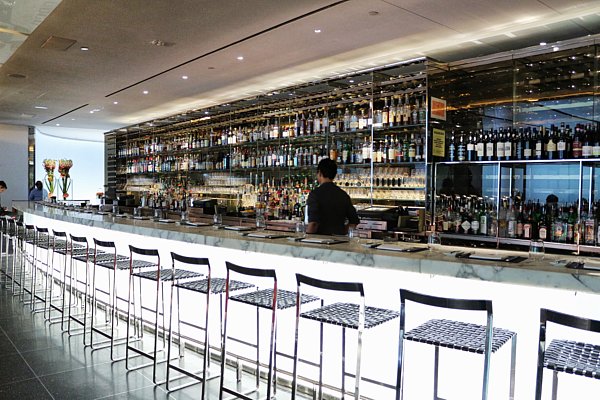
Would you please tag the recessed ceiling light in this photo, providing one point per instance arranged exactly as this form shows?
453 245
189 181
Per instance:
555 48
351 81
543 43
240 58
57 124
184 77
115 102
84 48
41 107
145 92
205 112
91 112
211 67
317 31
72 119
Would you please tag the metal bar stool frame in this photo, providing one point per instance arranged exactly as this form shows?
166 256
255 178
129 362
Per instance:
59 246
82 240
196 261
562 351
133 273
491 344
111 311
27 263
349 287
258 273
40 234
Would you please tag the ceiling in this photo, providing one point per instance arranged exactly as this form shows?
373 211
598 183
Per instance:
140 45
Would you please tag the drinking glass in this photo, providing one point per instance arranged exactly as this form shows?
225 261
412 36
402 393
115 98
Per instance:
300 229
217 220
434 241
536 249
353 235
261 222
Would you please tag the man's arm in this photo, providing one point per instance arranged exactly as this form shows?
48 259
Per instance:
352 216
312 227
313 213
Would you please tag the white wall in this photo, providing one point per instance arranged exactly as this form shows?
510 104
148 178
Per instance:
84 146
13 162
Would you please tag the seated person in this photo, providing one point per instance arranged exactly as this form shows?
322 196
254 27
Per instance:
38 193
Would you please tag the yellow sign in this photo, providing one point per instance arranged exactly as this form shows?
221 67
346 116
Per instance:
439 142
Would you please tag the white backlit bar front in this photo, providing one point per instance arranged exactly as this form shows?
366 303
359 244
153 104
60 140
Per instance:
517 291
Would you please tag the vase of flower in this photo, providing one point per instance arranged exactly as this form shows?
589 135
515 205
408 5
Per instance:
64 166
49 166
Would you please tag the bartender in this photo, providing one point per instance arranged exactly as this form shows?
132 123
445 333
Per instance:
2 189
330 210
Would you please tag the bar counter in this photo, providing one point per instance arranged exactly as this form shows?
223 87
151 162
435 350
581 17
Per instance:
518 291
549 272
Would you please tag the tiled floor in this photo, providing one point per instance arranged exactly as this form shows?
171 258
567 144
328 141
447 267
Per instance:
39 361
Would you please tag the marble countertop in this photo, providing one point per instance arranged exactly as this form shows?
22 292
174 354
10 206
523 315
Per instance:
549 272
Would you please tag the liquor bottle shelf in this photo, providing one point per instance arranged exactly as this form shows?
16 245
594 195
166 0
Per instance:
554 161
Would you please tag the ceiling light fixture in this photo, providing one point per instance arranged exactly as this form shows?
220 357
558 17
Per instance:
84 48
543 43
184 77
317 31
41 107
555 48
240 58
145 92
373 13
115 102
57 124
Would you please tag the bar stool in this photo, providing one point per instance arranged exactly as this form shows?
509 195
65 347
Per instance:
258 273
208 286
160 276
4 248
106 257
347 315
59 247
15 230
567 356
27 261
41 243
83 257
456 335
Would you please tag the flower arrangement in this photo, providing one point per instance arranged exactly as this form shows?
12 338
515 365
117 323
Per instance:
49 166
64 166
99 195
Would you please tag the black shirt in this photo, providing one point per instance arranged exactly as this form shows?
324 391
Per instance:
330 206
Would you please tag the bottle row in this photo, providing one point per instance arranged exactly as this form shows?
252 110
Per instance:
550 221
553 143
395 113
389 150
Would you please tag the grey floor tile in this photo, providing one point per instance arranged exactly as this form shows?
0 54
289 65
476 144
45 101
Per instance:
30 389
13 368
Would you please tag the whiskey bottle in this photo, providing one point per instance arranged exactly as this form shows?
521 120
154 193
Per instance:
471 152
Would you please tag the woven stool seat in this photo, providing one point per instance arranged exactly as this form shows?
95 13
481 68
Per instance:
167 274
346 315
83 257
217 285
102 257
573 358
123 263
264 298
458 335
64 248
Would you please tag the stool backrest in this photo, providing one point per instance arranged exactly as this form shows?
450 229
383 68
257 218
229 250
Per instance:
79 239
41 230
563 319
329 285
145 253
197 261
105 244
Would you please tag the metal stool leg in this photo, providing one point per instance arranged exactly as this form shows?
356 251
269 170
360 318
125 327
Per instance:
436 372
554 385
513 366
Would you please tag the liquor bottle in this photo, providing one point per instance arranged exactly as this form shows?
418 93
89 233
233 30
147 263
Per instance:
385 114
571 220
542 229
489 147
412 149
539 143
325 121
499 139
317 123
511 218
347 118
353 121
483 218
527 224
362 120
577 146
471 152
587 145
561 145
452 148
392 151
520 221
480 147
474 217
422 110
551 152
518 139
589 235
596 147
527 145
461 149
